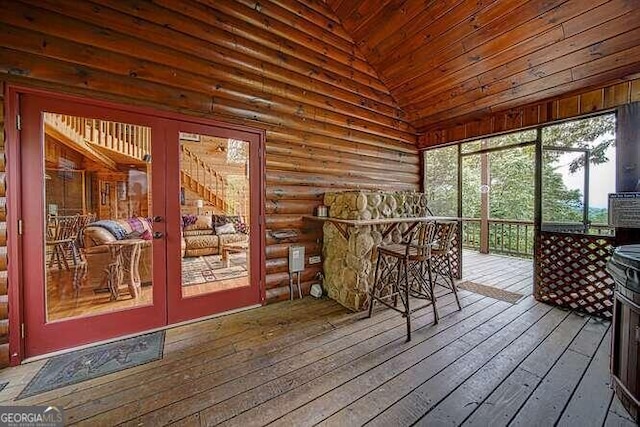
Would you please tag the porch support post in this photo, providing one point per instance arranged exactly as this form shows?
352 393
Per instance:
484 201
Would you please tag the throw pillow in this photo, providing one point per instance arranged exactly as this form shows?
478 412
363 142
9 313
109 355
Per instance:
219 220
225 229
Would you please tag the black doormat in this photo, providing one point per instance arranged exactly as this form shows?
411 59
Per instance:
93 362
491 292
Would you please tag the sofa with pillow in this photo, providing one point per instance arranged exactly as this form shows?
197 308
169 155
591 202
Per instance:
206 234
97 234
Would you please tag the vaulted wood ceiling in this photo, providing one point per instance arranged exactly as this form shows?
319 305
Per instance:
454 60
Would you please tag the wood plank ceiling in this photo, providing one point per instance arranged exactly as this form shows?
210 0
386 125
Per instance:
451 61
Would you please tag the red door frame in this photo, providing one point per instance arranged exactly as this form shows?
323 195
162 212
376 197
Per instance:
16 295
181 309
43 337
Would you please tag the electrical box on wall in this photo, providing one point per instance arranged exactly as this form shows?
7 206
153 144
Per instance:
296 259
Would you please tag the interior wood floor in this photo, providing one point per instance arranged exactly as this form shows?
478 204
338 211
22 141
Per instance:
308 362
64 302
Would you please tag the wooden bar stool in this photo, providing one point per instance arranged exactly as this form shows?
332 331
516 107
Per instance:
401 269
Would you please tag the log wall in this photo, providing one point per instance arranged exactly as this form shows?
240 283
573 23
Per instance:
570 106
278 65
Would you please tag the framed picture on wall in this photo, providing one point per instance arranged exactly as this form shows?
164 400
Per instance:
104 193
122 190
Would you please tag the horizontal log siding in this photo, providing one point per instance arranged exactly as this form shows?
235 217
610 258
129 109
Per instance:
282 65
570 106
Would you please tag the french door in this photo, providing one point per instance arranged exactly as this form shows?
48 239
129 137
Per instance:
214 237
131 221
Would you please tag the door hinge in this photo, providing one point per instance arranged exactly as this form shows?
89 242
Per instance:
19 122
20 227
22 334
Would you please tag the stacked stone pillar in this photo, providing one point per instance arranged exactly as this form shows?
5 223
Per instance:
348 263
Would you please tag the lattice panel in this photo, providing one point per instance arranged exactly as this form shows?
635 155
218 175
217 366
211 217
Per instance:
570 272
455 256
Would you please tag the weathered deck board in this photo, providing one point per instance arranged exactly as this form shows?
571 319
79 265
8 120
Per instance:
590 402
308 362
548 401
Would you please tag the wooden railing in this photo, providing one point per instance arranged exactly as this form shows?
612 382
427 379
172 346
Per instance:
514 237
130 140
135 141
199 177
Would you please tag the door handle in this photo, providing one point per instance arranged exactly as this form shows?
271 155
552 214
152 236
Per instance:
158 235
158 218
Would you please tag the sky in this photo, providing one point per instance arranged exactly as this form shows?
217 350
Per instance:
602 178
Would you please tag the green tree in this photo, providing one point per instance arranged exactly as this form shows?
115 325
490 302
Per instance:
512 172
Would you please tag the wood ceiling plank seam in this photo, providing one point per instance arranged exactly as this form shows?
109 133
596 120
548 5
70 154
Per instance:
455 35
368 39
424 40
271 22
603 31
232 31
317 12
366 12
486 38
578 86
583 53
603 13
506 99
525 32
380 52
120 64
603 64
333 3
345 8
185 43
533 44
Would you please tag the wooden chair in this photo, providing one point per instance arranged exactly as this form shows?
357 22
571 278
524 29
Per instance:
439 262
402 271
62 234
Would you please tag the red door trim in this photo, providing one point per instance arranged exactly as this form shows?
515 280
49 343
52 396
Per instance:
44 337
181 309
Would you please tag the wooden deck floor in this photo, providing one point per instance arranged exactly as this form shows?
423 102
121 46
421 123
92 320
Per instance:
311 362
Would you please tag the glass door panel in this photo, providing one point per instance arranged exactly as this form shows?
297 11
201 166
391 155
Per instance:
98 255
215 207
88 240
214 238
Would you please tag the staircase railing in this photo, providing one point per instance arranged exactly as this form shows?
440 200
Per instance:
210 185
135 141
130 140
